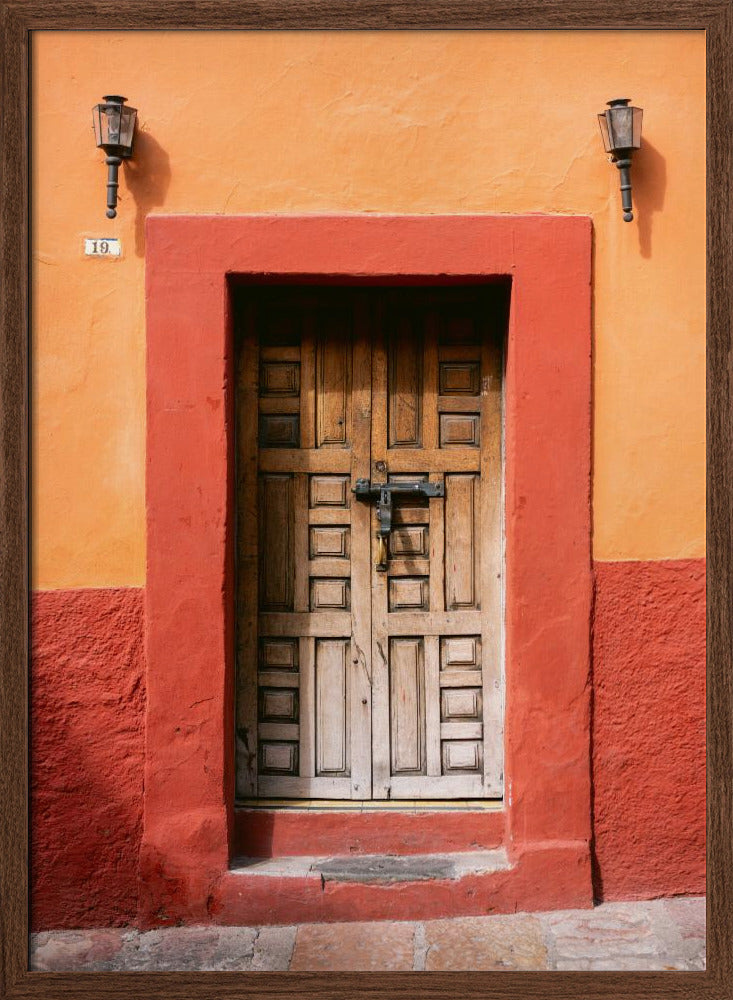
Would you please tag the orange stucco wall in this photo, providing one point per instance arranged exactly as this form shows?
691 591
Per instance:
404 122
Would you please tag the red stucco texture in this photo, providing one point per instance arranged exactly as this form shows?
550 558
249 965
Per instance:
648 742
649 728
87 750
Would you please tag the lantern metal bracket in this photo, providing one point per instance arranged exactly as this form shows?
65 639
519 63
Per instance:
624 165
113 162
383 493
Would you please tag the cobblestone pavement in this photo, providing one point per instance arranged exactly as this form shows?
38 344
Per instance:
656 935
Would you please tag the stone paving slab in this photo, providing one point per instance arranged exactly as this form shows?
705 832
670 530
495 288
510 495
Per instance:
378 868
411 868
512 942
655 935
381 946
641 936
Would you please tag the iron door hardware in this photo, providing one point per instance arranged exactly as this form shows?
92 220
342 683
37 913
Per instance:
383 493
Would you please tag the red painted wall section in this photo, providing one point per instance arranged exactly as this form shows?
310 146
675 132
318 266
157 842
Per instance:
87 751
548 538
648 743
649 728
264 833
188 814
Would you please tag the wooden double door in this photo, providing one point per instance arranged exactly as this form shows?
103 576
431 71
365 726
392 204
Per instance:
355 681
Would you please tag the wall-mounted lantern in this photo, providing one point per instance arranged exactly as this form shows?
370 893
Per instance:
621 131
114 126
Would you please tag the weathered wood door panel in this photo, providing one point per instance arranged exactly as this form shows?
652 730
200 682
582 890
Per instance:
303 606
356 683
436 626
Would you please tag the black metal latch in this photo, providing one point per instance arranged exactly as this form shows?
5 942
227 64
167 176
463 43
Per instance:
383 493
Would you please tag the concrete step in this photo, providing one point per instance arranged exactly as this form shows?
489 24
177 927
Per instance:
343 886
377 868
320 831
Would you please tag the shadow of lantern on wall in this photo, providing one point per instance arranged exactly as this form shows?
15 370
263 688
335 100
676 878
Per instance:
621 132
114 128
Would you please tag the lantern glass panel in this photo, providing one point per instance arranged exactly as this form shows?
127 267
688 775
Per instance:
621 128
97 117
604 131
112 117
127 127
637 127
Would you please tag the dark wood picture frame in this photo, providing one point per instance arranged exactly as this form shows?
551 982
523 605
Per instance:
19 19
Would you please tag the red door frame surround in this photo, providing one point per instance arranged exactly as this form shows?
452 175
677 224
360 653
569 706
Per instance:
189 780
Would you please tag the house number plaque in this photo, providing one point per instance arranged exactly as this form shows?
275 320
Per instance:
102 246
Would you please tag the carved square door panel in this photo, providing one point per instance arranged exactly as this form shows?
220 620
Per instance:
369 626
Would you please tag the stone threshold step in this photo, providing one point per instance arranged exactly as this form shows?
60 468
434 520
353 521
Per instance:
377 867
